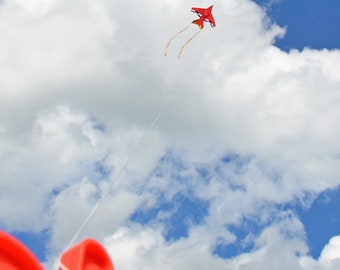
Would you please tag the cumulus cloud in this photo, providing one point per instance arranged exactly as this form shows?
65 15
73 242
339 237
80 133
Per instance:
331 250
329 258
247 128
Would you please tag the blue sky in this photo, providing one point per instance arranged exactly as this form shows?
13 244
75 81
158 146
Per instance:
309 23
326 207
240 171
312 24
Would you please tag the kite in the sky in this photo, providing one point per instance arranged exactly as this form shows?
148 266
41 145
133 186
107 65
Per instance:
204 15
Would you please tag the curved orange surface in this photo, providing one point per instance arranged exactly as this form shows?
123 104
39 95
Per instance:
87 255
16 256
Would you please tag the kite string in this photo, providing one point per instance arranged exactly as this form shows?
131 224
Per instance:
175 36
115 179
186 43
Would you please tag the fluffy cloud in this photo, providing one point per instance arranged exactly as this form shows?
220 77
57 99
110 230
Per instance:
329 258
247 128
331 251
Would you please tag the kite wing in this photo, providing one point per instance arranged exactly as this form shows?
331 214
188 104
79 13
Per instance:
211 20
199 11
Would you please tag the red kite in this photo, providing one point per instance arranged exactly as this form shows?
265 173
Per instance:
205 15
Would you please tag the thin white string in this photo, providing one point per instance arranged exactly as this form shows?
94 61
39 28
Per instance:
115 179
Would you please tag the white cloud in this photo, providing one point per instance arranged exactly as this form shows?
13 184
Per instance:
33 166
329 258
331 250
144 248
80 83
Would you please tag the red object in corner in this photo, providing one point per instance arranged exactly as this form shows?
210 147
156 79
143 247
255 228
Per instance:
87 255
16 256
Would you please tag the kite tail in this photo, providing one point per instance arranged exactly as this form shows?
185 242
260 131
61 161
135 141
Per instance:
180 32
186 43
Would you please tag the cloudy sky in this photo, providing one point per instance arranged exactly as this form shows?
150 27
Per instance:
228 158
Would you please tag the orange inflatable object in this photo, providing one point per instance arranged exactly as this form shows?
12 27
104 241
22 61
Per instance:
15 256
87 255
